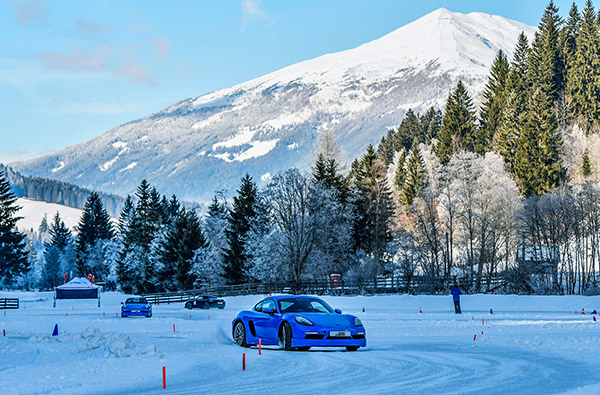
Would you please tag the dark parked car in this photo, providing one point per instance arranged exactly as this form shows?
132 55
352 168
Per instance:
205 302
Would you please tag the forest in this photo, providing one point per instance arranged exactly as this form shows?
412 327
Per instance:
502 197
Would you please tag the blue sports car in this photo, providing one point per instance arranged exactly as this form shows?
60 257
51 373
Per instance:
298 323
136 306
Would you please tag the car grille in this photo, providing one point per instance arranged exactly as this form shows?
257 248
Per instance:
314 337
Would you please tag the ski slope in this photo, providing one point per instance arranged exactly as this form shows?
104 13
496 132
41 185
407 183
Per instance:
530 344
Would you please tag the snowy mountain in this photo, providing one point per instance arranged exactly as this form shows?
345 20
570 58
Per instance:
200 145
32 213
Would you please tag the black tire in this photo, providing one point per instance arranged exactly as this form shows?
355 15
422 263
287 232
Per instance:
351 348
149 315
285 337
189 305
221 307
205 306
302 348
239 334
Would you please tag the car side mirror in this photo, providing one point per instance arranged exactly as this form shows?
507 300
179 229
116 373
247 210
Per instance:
338 311
268 310
121 302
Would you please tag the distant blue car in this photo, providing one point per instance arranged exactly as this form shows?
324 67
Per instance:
298 323
136 307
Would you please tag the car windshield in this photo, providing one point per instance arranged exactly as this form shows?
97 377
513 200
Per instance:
304 305
136 300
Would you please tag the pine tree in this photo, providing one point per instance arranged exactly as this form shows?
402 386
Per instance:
94 225
458 131
586 166
494 101
545 60
583 78
13 249
326 172
431 123
400 176
178 249
416 176
538 166
373 206
239 219
60 235
507 137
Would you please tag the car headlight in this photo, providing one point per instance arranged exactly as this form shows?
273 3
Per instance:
357 322
124 307
148 306
303 321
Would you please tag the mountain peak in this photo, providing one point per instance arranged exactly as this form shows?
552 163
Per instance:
271 123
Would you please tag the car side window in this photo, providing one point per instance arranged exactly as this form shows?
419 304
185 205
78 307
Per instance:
316 306
270 304
259 306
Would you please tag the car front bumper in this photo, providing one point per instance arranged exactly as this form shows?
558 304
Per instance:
136 313
303 336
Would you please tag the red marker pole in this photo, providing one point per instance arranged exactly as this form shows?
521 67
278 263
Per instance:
483 321
173 327
4 332
164 377
475 337
243 361
209 317
259 346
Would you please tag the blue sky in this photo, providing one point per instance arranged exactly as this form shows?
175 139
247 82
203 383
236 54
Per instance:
70 70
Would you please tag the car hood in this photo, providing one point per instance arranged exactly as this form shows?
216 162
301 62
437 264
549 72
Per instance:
328 319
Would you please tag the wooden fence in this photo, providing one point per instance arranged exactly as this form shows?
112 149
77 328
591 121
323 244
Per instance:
6 304
383 285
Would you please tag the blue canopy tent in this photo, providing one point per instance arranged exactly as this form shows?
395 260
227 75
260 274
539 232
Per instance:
78 288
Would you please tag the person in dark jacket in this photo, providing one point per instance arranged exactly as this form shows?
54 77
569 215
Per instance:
456 297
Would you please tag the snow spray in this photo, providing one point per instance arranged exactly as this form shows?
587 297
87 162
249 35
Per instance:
55 331
243 361
164 377
260 343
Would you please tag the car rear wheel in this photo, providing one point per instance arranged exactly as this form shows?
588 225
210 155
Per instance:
205 305
239 334
351 348
189 305
285 338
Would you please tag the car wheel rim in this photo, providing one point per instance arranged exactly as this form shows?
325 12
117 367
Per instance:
239 334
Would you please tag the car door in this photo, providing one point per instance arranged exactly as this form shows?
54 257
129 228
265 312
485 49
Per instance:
266 324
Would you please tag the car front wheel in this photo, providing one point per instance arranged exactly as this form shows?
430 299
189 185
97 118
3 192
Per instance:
351 348
285 339
188 305
239 334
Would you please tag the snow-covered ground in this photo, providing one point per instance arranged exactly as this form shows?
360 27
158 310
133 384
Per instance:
529 345
33 211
